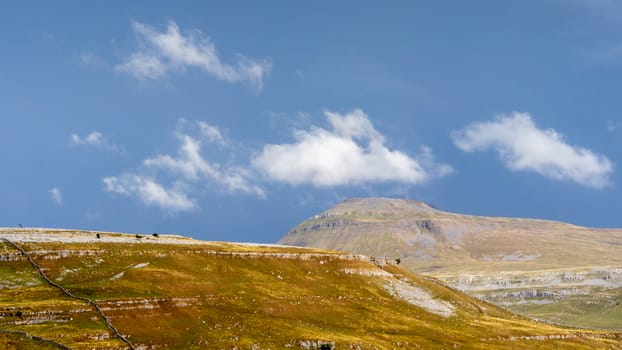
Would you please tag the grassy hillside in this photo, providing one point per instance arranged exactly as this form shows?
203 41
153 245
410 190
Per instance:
175 293
552 270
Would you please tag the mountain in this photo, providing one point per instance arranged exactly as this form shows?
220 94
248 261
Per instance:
99 290
545 269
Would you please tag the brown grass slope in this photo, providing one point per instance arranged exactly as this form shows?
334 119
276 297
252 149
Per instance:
519 263
174 293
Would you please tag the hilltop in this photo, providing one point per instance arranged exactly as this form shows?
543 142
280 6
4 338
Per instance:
98 290
546 269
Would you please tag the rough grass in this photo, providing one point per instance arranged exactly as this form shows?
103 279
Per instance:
602 309
10 341
192 297
39 309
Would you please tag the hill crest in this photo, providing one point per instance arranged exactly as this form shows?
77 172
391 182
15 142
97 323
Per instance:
228 295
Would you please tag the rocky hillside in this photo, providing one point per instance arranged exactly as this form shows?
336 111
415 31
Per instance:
546 269
96 290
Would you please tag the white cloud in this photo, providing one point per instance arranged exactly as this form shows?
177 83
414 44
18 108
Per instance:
96 139
613 126
190 171
191 166
56 195
353 152
91 60
172 50
143 66
150 192
522 146
212 133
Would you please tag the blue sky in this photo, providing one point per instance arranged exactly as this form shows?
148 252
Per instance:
236 121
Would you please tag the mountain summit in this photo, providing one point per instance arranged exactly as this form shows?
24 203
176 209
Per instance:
547 269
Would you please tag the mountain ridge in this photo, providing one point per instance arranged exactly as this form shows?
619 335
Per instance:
429 207
483 256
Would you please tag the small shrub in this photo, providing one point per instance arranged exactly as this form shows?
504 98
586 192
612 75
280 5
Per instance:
139 236
97 235
398 261
326 346
154 234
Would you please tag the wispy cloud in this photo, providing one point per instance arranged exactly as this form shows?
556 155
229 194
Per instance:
96 139
352 152
150 192
613 126
91 60
523 146
190 165
56 195
212 133
171 50
92 215
190 171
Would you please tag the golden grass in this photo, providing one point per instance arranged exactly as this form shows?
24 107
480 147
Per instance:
188 297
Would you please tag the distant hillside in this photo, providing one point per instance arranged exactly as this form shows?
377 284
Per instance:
96 290
546 269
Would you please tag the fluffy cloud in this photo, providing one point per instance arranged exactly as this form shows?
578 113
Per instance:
150 192
522 146
96 139
172 50
56 195
352 152
190 172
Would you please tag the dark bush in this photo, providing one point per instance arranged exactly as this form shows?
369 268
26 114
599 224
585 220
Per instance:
398 261
326 346
155 235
